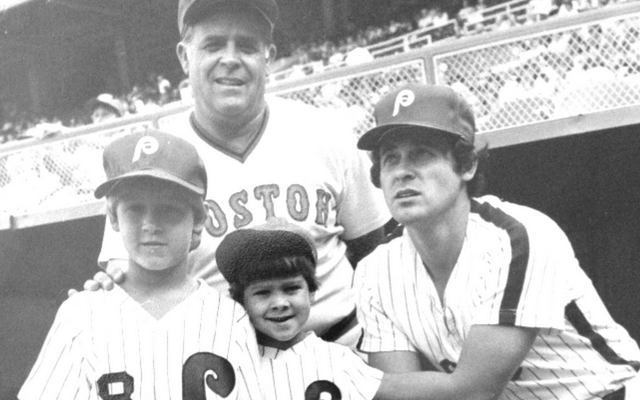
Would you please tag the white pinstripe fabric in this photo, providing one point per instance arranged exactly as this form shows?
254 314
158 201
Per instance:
288 373
510 252
97 333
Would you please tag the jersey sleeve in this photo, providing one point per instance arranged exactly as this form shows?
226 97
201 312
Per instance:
360 379
361 206
531 287
381 333
112 246
61 369
245 354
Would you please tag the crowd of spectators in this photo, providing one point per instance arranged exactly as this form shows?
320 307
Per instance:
303 59
16 123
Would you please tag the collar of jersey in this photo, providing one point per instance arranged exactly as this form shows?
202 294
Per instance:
221 145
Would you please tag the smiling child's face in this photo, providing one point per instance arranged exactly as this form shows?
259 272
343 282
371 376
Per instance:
278 309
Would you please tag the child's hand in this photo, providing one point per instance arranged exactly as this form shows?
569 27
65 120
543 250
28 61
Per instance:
103 280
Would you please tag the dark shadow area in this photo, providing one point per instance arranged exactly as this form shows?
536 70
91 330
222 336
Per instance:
590 185
37 268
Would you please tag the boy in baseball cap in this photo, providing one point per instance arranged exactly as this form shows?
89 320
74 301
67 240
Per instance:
157 332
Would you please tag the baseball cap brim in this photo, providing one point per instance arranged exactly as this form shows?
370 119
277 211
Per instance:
107 186
371 139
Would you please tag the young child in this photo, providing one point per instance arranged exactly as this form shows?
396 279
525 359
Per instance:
271 271
162 335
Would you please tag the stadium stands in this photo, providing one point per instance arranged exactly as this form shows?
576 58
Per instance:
429 26
514 78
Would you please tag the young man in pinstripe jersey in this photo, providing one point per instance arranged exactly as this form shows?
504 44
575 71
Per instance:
488 292
162 334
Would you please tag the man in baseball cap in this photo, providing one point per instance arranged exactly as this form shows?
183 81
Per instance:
428 112
225 50
489 292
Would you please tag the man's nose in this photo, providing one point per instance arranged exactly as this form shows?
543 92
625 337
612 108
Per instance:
404 170
230 53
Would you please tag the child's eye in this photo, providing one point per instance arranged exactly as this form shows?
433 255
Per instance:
293 288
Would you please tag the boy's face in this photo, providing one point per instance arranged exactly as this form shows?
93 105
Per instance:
279 308
156 222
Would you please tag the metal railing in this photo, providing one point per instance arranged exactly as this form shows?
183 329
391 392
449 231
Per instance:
560 68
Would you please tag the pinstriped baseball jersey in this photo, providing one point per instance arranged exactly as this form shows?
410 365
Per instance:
305 168
104 345
516 268
319 369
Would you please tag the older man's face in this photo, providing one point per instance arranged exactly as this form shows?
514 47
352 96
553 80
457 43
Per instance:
226 59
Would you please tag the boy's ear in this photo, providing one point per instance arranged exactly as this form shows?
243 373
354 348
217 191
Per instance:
113 218
199 221
312 296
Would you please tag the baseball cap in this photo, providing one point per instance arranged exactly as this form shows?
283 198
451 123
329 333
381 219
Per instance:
187 9
436 108
106 99
241 251
153 154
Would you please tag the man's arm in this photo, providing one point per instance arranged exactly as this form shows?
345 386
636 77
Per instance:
360 247
490 358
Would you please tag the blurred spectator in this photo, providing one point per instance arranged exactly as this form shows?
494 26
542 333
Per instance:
465 11
359 55
567 7
541 9
104 107
474 21
505 21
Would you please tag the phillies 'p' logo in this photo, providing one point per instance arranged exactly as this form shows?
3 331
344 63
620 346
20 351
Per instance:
405 98
147 145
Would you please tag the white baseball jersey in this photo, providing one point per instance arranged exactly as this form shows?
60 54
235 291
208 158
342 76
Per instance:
304 167
317 370
516 268
104 345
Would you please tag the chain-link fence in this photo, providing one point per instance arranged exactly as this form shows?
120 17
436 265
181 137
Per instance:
512 80
57 174
355 96
550 75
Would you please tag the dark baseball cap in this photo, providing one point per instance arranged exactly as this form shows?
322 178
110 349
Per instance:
435 108
242 250
187 9
153 154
